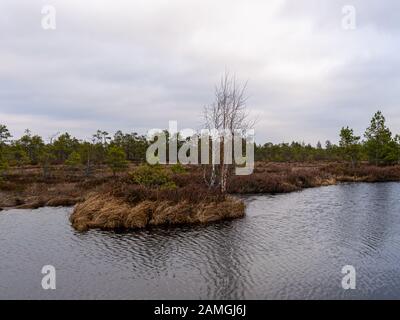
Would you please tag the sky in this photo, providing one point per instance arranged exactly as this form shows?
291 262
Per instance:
134 65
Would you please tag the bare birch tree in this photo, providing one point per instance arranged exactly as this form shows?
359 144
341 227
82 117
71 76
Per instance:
227 116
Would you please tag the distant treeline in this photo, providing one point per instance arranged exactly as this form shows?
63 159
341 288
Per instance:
65 149
378 146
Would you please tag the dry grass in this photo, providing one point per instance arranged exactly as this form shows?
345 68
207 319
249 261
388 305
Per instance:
26 188
36 195
364 173
106 211
280 179
288 177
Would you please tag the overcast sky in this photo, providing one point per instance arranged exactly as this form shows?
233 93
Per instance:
134 65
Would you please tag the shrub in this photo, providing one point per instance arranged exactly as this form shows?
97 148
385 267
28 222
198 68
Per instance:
74 160
152 176
178 168
3 168
137 193
116 159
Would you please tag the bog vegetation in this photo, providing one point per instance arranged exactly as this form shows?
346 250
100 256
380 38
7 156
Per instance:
378 146
108 178
113 187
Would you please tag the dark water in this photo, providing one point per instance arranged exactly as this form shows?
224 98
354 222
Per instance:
289 246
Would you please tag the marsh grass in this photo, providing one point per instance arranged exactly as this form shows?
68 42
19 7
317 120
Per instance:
25 187
106 211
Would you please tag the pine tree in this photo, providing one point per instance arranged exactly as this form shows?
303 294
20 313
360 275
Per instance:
379 144
116 159
350 146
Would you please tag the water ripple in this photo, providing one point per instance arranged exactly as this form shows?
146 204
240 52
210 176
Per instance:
288 246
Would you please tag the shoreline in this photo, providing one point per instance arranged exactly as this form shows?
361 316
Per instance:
105 202
70 202
24 188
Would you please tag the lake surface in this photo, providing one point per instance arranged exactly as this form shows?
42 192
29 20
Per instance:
290 246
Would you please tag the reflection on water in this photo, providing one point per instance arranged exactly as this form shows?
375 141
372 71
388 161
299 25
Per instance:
288 246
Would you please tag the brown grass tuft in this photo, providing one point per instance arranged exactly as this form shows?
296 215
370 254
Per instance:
62 202
110 212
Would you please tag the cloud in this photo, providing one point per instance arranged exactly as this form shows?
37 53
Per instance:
134 65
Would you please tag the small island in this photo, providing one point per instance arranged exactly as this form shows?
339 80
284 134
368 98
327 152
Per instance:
112 187
110 212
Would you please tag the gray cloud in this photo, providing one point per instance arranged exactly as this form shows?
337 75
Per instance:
134 65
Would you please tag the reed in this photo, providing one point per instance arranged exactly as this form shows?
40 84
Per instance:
106 211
